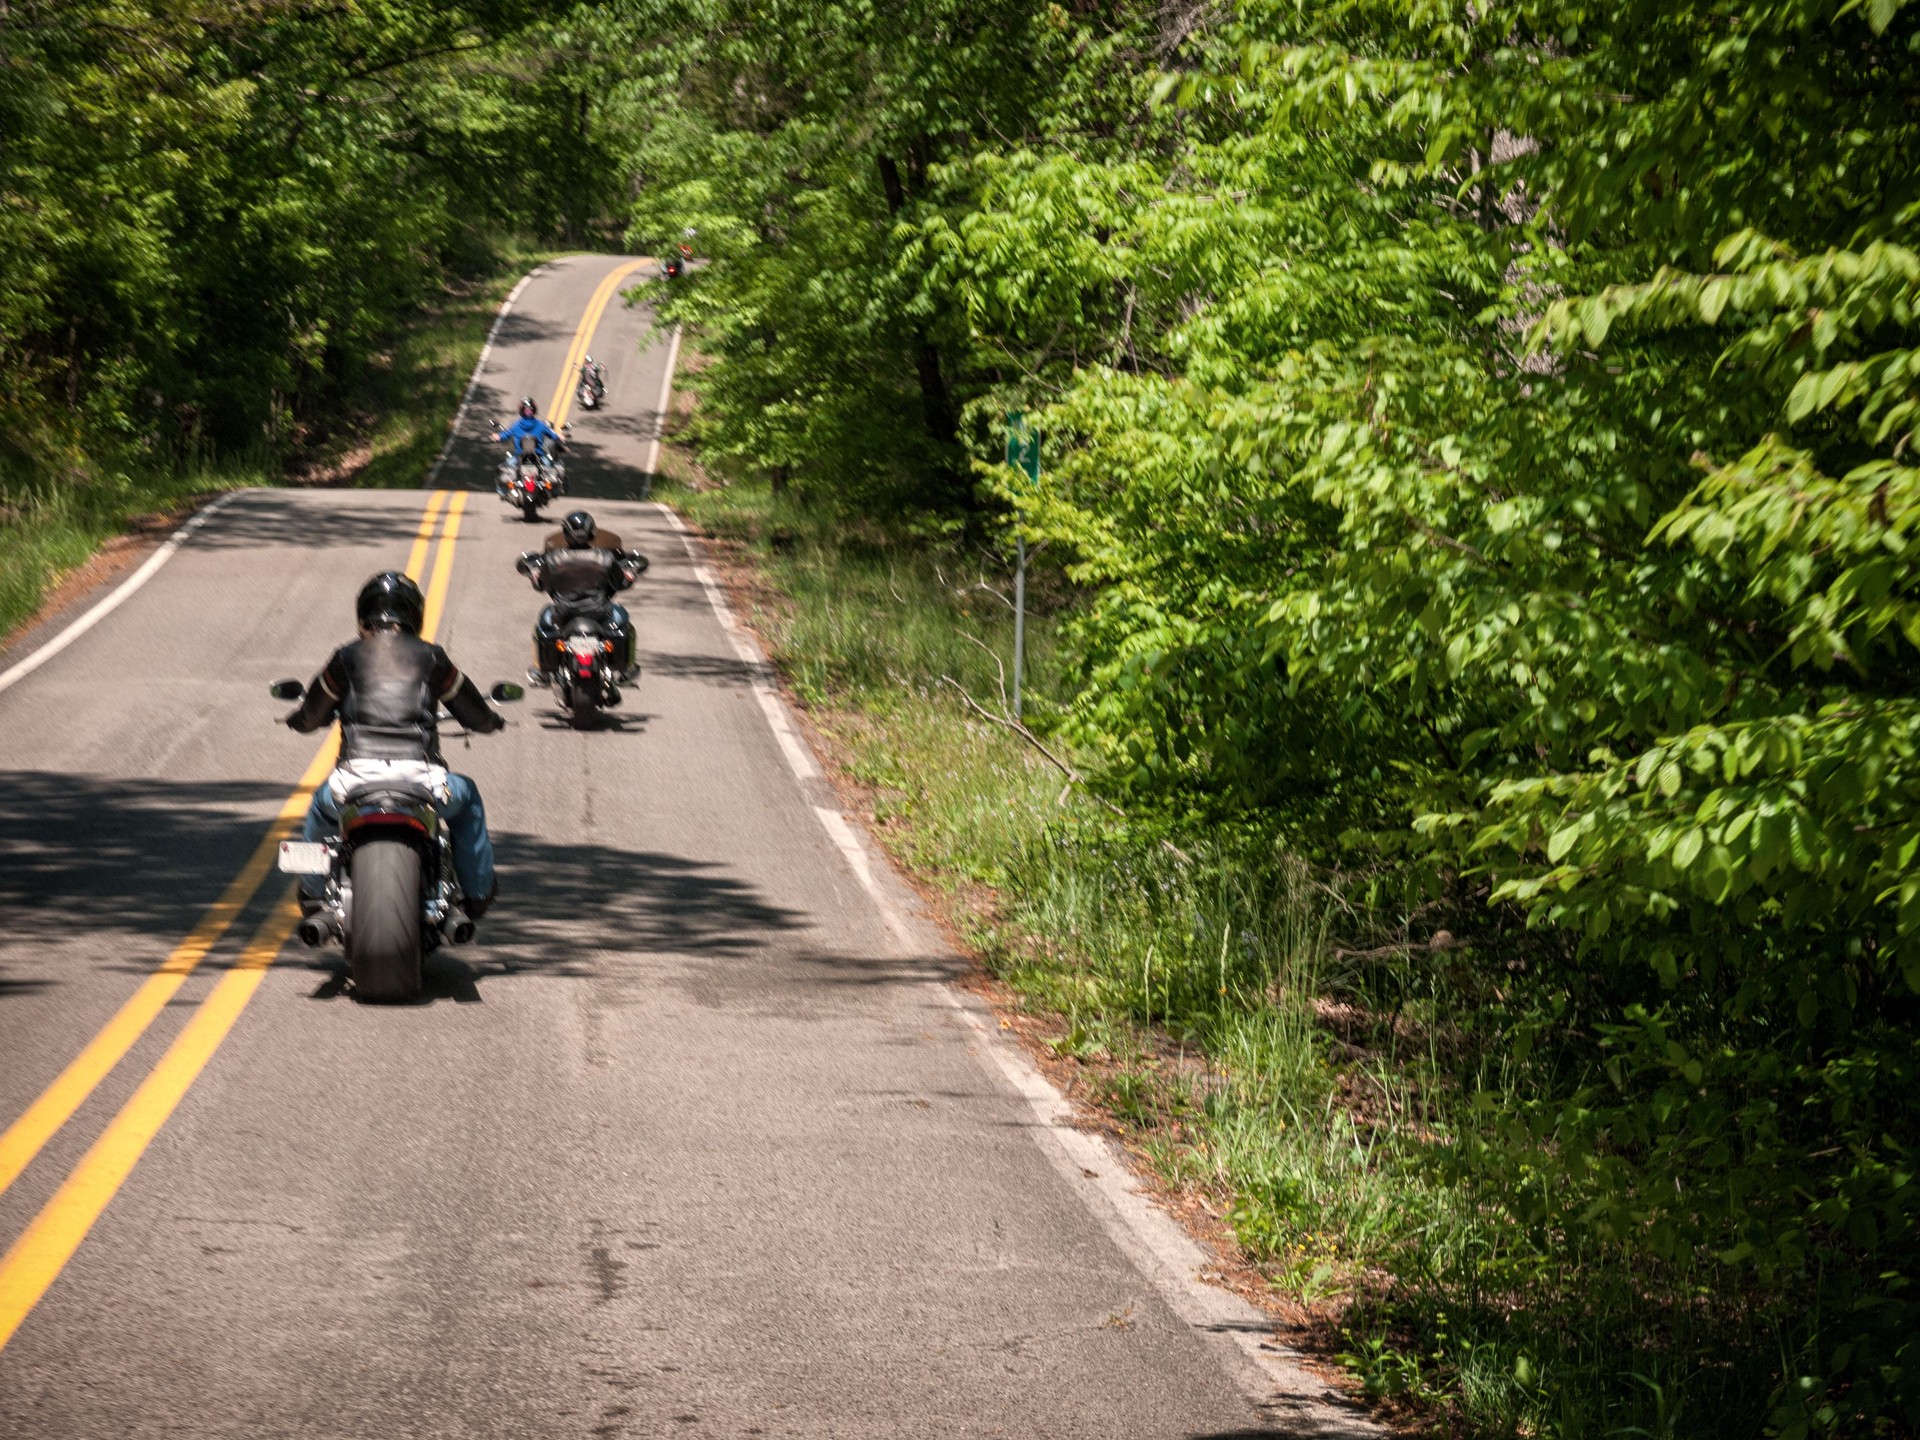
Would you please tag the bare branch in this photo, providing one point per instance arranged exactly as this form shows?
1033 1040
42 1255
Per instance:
1074 777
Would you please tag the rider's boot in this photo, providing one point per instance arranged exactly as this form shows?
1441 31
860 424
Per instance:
476 908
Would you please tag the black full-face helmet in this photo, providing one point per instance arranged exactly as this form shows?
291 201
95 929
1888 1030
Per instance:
578 528
527 407
390 599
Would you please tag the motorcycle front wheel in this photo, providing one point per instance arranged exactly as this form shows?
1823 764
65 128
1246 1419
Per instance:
383 940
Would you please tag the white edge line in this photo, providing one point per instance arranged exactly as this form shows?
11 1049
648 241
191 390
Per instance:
660 408
792 744
1270 1376
473 380
119 597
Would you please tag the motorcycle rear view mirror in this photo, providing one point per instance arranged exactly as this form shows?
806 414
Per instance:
507 690
287 690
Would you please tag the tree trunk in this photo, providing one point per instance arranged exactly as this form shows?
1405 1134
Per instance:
936 401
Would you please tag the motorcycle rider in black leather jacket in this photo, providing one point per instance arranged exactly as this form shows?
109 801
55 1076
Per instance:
386 688
581 567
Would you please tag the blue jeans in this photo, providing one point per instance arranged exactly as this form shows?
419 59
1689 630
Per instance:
463 815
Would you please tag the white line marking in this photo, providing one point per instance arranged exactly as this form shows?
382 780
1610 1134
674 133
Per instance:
473 381
660 408
119 597
1239 1335
792 744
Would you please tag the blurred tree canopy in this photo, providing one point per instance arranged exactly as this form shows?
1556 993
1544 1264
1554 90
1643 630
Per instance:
211 210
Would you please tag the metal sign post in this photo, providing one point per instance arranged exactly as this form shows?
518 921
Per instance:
1019 618
1023 453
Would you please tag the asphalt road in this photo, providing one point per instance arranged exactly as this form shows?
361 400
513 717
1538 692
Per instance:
689 1144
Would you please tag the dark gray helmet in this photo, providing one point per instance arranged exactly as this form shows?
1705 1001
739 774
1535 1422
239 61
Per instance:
391 598
578 529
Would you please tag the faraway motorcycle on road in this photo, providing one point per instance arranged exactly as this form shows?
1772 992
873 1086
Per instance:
681 260
390 894
592 390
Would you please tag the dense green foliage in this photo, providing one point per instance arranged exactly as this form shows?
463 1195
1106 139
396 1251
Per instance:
228 226
215 211
1478 443
1482 434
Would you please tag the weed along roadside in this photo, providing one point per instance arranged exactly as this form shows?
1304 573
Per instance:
1263 1035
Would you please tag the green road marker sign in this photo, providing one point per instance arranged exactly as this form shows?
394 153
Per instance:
1023 445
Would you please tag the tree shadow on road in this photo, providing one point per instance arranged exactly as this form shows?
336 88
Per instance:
289 519
143 859
722 670
139 857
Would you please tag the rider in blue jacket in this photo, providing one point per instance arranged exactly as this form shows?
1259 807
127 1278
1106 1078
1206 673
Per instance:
530 427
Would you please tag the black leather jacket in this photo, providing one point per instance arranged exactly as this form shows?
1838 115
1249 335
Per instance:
582 581
387 689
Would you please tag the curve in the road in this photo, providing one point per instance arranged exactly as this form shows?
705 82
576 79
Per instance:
35 1259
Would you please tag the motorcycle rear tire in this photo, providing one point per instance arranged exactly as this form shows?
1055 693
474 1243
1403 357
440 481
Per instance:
383 942
530 511
580 706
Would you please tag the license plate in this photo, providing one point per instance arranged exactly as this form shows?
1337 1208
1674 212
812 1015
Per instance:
579 645
304 857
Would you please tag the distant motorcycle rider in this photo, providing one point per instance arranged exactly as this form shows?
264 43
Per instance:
530 432
594 378
386 688
581 566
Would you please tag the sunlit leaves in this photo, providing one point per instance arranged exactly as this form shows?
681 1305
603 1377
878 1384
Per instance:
1511 451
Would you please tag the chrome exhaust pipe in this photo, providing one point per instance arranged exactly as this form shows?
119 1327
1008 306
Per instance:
317 928
458 929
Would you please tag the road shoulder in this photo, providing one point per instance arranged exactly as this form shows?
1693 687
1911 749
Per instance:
1177 1244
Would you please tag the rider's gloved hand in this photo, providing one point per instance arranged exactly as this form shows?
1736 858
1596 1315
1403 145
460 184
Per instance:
499 723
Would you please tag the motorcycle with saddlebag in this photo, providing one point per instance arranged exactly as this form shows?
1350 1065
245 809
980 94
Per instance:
389 893
583 641
591 392
530 478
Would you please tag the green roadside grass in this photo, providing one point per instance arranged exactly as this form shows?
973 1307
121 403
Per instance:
1243 1017
64 494
60 504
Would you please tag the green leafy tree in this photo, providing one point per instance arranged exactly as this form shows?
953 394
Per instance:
1496 472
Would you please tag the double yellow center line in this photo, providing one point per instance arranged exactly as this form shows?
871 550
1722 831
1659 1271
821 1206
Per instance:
563 392
35 1260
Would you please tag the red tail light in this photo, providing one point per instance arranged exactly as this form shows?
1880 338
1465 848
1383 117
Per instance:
387 819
